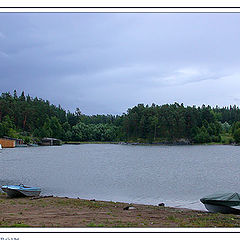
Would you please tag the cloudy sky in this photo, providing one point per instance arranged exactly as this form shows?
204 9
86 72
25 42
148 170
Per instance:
105 63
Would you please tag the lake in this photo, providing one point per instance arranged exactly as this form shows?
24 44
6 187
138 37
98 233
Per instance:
176 175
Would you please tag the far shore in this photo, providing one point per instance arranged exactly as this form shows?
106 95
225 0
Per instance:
61 212
150 144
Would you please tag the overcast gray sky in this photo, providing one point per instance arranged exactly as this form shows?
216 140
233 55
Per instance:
105 63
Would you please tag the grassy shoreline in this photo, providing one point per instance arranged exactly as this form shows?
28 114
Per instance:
152 144
81 213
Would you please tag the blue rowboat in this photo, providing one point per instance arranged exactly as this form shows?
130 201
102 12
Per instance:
21 191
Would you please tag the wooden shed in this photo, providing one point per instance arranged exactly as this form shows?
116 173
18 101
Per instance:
51 142
7 143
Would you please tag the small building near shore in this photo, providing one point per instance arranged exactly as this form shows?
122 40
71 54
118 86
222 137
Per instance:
18 141
51 142
8 142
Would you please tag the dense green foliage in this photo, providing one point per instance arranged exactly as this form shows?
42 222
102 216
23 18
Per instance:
26 117
172 122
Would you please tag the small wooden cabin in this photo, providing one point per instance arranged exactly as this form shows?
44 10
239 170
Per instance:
7 143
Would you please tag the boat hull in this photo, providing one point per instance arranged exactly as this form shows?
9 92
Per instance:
12 193
19 191
221 209
30 193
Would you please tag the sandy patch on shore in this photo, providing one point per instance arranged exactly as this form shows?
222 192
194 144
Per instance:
66 212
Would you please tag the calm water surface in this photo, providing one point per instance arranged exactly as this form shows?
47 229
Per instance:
176 175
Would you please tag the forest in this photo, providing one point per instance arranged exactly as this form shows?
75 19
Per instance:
32 119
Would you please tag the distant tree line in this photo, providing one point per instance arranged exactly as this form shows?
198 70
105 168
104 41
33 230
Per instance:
34 118
26 117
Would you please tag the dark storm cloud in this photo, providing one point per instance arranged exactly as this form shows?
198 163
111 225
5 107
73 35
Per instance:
107 62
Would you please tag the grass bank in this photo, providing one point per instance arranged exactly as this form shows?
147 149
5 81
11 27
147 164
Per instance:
66 212
146 143
78 142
